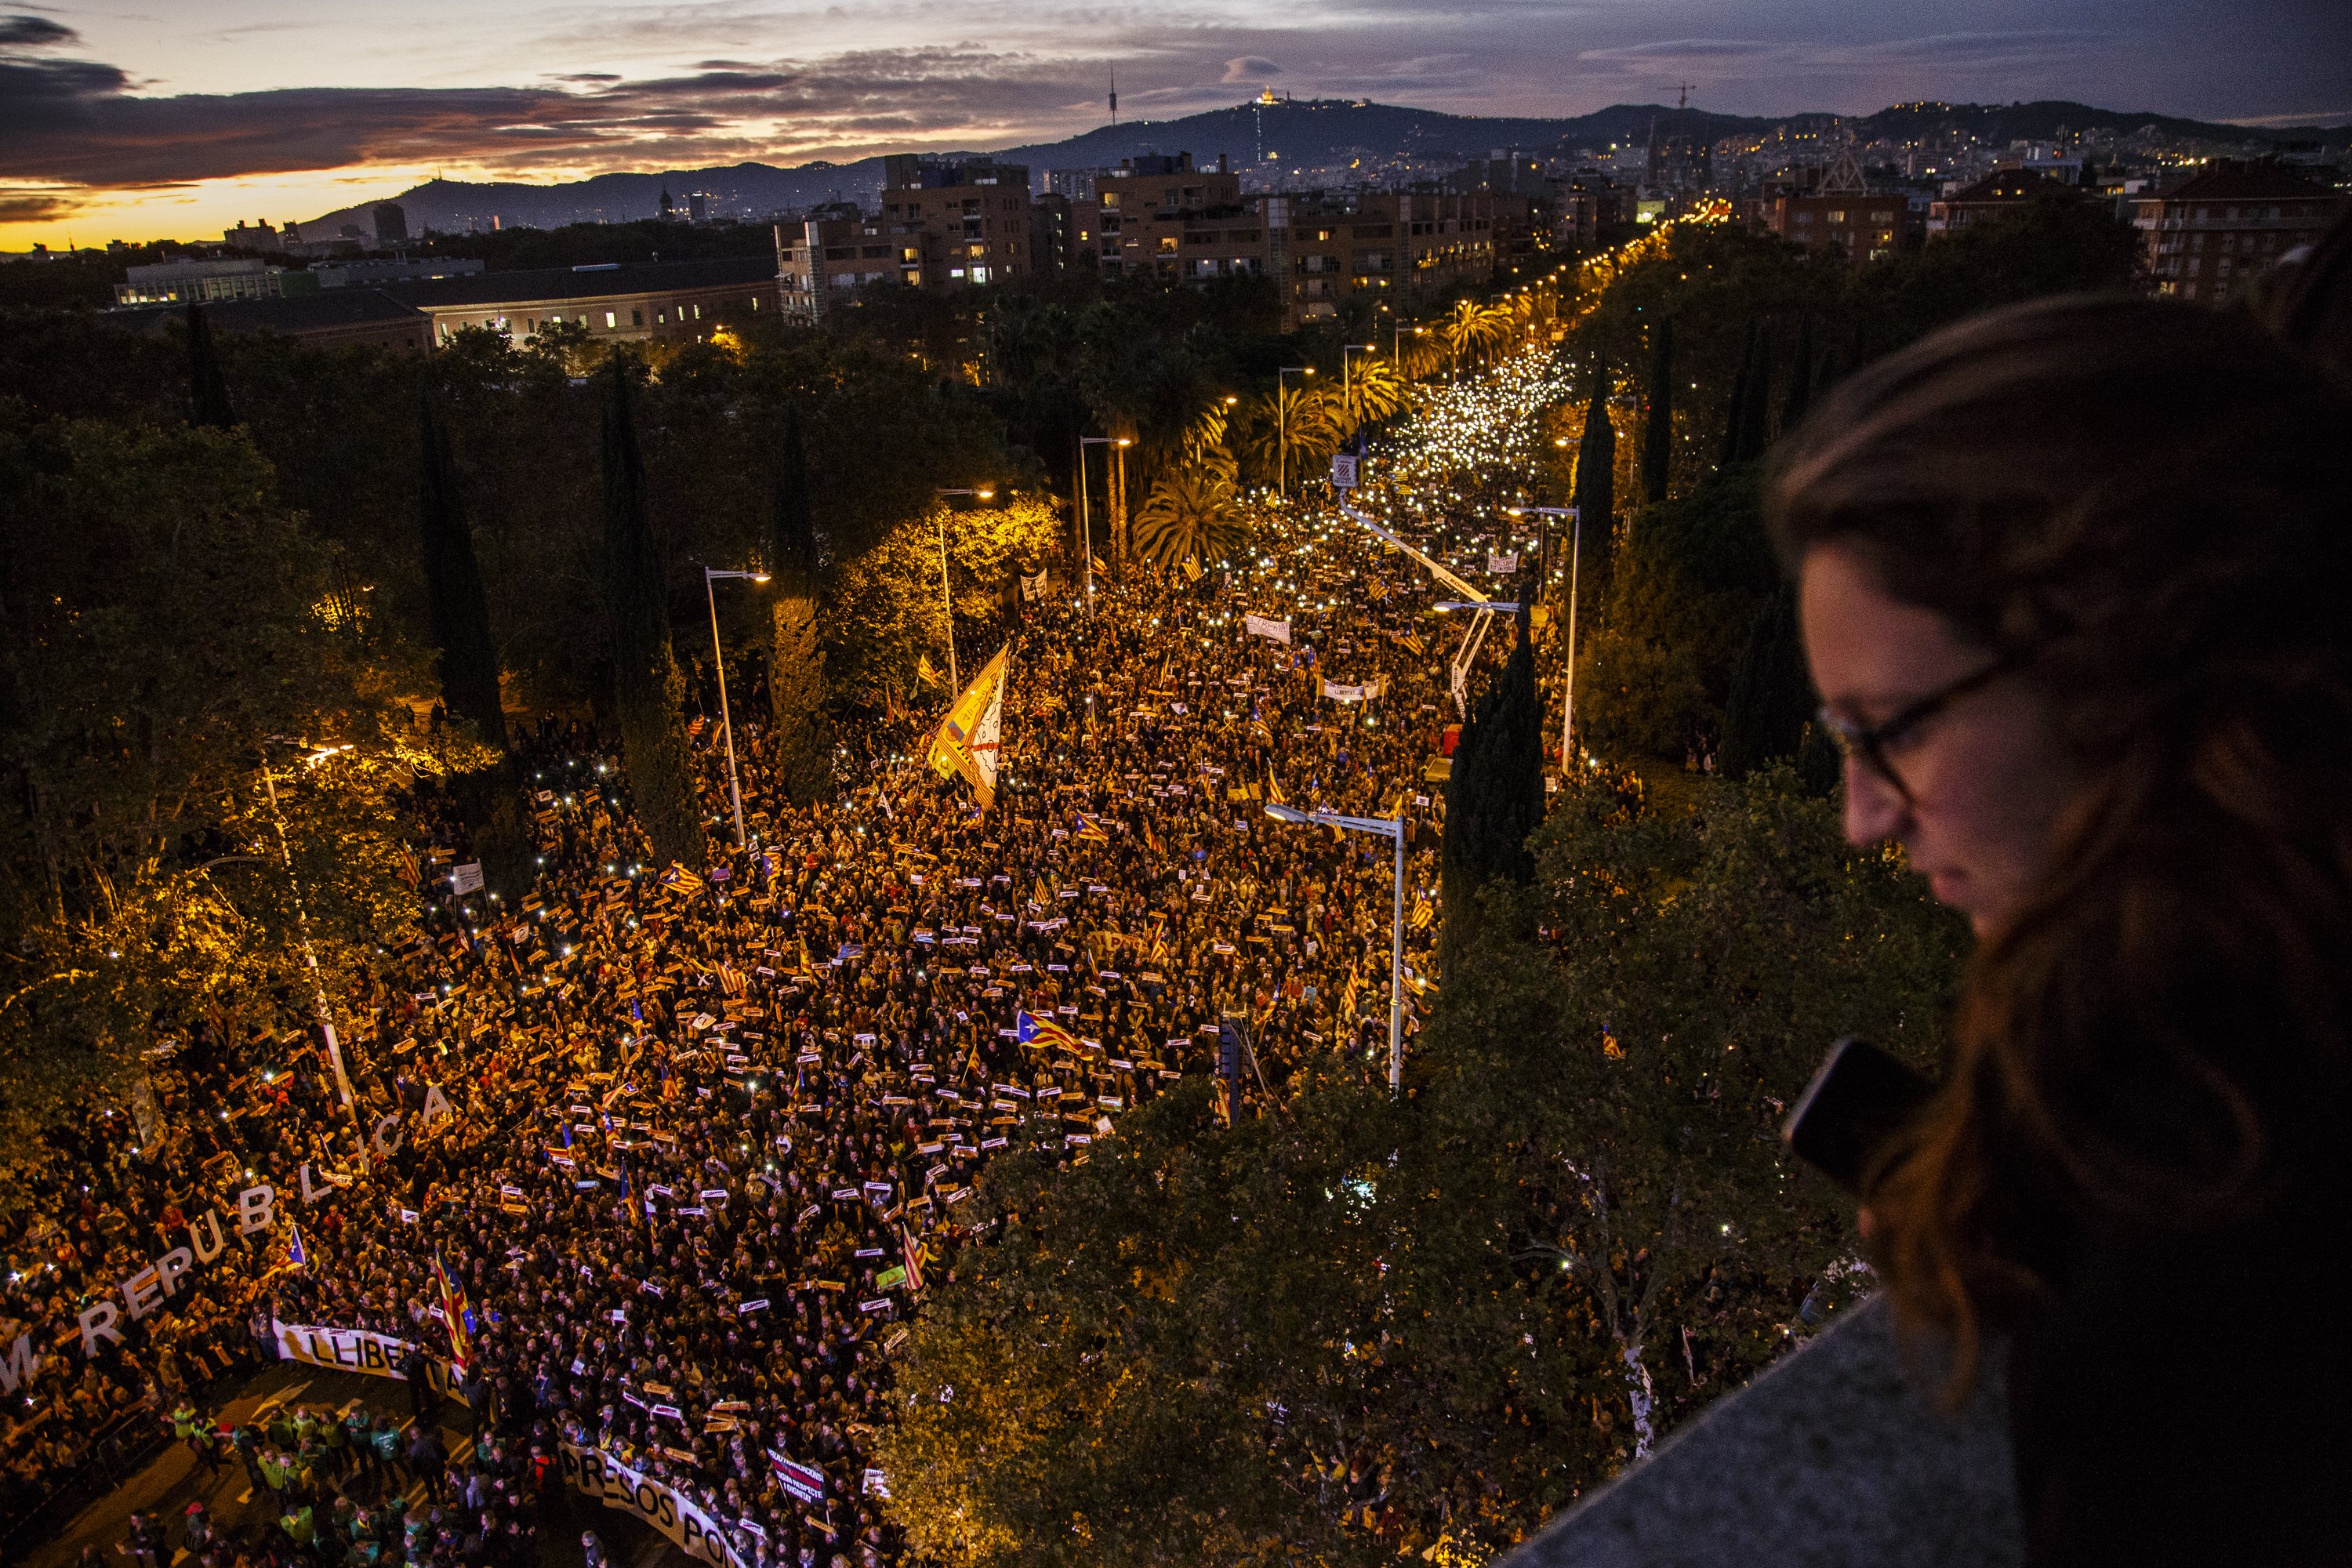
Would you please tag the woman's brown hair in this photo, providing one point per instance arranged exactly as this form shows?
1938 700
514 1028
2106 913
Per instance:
2146 506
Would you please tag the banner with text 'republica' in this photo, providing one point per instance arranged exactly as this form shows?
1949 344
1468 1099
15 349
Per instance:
594 1473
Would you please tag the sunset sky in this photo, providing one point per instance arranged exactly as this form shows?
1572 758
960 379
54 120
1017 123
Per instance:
138 120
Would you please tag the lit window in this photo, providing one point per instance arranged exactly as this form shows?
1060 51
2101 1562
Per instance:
610 320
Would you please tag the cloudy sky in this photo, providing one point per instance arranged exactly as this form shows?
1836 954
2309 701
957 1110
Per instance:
142 119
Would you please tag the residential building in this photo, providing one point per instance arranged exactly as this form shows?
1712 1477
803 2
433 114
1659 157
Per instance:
1840 214
1412 243
2210 234
838 248
183 280
260 237
964 221
391 223
1680 158
635 301
1586 206
2002 191
1160 216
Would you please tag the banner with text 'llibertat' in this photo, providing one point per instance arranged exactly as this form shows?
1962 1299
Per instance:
594 1473
356 1350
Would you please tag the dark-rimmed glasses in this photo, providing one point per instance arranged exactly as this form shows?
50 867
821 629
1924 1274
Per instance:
1869 744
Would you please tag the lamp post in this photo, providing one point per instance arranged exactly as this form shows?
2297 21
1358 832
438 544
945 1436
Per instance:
1575 544
1345 350
726 716
947 599
1282 427
1396 343
1392 828
1086 517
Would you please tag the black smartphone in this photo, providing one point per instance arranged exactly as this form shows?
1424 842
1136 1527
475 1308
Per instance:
1860 1099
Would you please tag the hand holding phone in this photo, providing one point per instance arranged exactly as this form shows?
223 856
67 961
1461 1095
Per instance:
1857 1103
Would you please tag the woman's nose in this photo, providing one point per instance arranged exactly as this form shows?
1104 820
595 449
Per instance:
1876 810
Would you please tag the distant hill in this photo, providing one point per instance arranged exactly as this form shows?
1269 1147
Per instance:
1313 133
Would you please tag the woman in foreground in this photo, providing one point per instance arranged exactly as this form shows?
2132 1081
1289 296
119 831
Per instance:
2076 582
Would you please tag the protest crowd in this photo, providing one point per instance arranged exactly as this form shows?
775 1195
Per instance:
680 1147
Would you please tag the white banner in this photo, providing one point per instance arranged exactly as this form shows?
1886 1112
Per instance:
1267 627
1364 693
357 1350
594 1473
1501 563
1343 472
467 879
1035 587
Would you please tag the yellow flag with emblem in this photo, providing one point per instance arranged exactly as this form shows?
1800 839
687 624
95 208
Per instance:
965 742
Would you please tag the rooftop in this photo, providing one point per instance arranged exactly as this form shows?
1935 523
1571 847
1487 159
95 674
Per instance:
551 283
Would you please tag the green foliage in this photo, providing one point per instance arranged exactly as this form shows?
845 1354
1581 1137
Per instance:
1191 514
1658 414
1494 795
1771 694
453 585
208 400
2060 245
796 653
1175 1351
164 636
647 689
1691 576
1596 489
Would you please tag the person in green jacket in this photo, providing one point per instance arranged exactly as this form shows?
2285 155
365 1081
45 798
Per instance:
300 1525
335 1444
273 1469
386 1441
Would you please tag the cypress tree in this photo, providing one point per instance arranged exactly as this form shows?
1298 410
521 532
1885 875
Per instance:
1658 427
1755 416
1495 796
1596 487
1801 378
1770 698
647 689
795 654
459 610
208 404
1728 453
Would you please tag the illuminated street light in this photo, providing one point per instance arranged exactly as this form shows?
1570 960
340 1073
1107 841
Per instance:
947 602
1282 427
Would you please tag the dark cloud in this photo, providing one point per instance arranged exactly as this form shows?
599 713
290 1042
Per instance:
77 122
35 205
33 33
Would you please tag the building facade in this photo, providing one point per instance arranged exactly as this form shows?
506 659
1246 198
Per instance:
637 302
2206 237
957 222
1840 215
188 282
2002 191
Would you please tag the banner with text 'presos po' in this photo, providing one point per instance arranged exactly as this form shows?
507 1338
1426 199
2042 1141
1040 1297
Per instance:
357 1350
594 1473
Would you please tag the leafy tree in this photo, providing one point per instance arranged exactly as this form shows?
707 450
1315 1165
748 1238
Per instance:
647 689
1495 796
1191 515
1602 1101
1756 399
1801 378
795 649
468 657
162 644
208 400
1658 413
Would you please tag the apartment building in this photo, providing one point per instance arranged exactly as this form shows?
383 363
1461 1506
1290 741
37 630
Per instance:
2207 236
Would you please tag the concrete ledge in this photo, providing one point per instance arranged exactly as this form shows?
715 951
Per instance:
1835 1456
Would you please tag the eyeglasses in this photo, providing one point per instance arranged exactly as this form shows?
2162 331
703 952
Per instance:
1871 743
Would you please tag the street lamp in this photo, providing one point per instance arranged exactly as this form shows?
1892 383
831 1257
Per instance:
1282 427
1387 828
1396 341
726 717
1575 543
947 599
1086 516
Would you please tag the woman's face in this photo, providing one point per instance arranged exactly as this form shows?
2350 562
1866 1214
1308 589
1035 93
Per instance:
1988 776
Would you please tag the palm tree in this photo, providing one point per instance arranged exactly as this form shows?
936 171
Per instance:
1375 392
1191 513
1471 327
1287 432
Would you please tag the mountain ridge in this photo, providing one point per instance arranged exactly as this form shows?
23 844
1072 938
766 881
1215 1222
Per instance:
1317 133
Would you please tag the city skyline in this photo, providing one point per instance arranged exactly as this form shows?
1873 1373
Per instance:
127 125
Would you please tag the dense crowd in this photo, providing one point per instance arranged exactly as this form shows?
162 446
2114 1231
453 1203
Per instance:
714 1126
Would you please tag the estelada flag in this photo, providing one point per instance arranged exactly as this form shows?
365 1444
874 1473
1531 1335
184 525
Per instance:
965 742
1090 831
1036 1031
455 1311
297 1255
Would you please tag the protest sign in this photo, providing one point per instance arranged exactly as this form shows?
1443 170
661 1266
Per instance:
594 1473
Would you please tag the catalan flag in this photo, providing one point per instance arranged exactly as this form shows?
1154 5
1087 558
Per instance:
926 674
1423 911
1090 831
678 879
297 1255
1042 1032
455 1309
